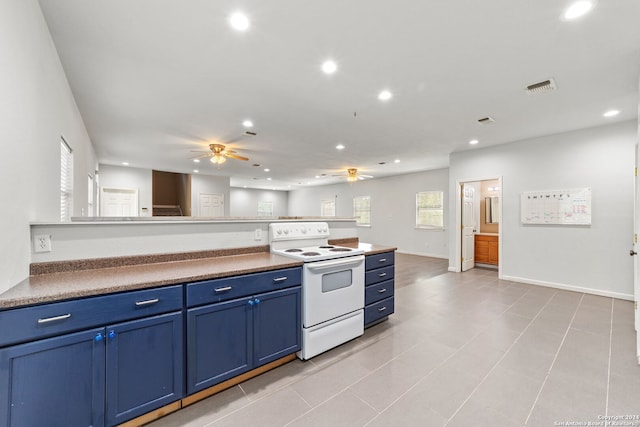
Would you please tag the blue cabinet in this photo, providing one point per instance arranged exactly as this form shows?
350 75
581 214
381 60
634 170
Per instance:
229 338
144 366
379 287
218 343
99 376
54 382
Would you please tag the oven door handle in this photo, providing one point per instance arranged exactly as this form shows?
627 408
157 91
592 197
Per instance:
340 262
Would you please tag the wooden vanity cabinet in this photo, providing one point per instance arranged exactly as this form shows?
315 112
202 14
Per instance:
486 249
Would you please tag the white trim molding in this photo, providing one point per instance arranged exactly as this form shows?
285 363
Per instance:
599 292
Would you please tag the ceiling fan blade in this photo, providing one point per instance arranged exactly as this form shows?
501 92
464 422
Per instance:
202 155
233 156
365 176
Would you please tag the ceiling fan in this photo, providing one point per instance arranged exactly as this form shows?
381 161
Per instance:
353 175
219 154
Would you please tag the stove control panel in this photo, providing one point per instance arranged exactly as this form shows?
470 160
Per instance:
298 230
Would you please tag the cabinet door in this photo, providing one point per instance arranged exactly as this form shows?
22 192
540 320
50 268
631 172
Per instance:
144 366
276 324
219 343
54 382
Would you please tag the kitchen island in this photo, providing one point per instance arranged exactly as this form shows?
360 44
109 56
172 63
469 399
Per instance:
145 313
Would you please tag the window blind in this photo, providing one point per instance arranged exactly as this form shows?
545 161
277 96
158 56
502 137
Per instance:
66 181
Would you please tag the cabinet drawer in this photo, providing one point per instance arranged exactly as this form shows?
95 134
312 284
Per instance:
378 310
217 290
378 275
29 323
379 260
378 292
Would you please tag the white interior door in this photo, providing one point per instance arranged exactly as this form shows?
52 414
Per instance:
635 249
211 205
119 202
468 227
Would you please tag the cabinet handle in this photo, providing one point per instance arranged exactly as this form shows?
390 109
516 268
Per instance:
382 274
112 334
225 289
382 291
382 260
381 309
257 300
280 279
98 337
147 302
53 319
250 303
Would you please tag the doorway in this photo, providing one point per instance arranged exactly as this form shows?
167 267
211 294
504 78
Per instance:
119 202
211 205
478 231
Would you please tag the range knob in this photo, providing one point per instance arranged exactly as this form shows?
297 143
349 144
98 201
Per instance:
286 231
304 231
279 232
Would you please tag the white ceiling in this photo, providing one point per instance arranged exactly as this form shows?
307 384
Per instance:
155 79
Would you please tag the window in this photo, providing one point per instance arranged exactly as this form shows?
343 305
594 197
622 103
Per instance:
328 208
429 210
66 181
362 210
265 208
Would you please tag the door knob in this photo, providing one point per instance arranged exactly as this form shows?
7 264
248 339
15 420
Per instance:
632 252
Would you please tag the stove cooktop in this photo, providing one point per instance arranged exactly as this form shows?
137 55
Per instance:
318 253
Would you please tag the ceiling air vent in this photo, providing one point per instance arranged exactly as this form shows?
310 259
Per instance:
544 86
249 133
485 120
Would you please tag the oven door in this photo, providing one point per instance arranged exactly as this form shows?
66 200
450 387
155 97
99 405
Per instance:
331 289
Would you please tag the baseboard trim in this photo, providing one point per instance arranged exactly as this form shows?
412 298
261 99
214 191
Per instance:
454 270
422 254
599 292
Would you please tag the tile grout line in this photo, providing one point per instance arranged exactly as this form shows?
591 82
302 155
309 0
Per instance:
443 362
544 382
500 360
606 404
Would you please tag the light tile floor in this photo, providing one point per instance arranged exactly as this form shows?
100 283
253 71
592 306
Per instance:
461 350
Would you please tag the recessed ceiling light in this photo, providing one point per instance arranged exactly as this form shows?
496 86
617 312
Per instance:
247 124
317 176
244 186
611 113
267 170
125 164
329 67
396 161
578 9
239 21
196 171
339 147
196 160
268 179
385 95
473 142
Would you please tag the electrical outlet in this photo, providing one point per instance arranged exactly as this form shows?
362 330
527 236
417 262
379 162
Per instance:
258 234
42 243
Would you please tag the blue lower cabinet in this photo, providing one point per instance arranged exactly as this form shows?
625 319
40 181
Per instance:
144 366
219 344
277 325
54 382
229 338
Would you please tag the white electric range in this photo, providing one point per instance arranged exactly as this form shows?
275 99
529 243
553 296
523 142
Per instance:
332 284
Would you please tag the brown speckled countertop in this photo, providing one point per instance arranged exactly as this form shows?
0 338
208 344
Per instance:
67 285
63 285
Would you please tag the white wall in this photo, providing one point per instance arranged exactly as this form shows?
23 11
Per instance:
128 177
593 258
244 201
393 209
36 108
208 184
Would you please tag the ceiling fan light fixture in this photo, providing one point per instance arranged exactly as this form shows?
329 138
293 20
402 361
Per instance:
352 174
218 159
